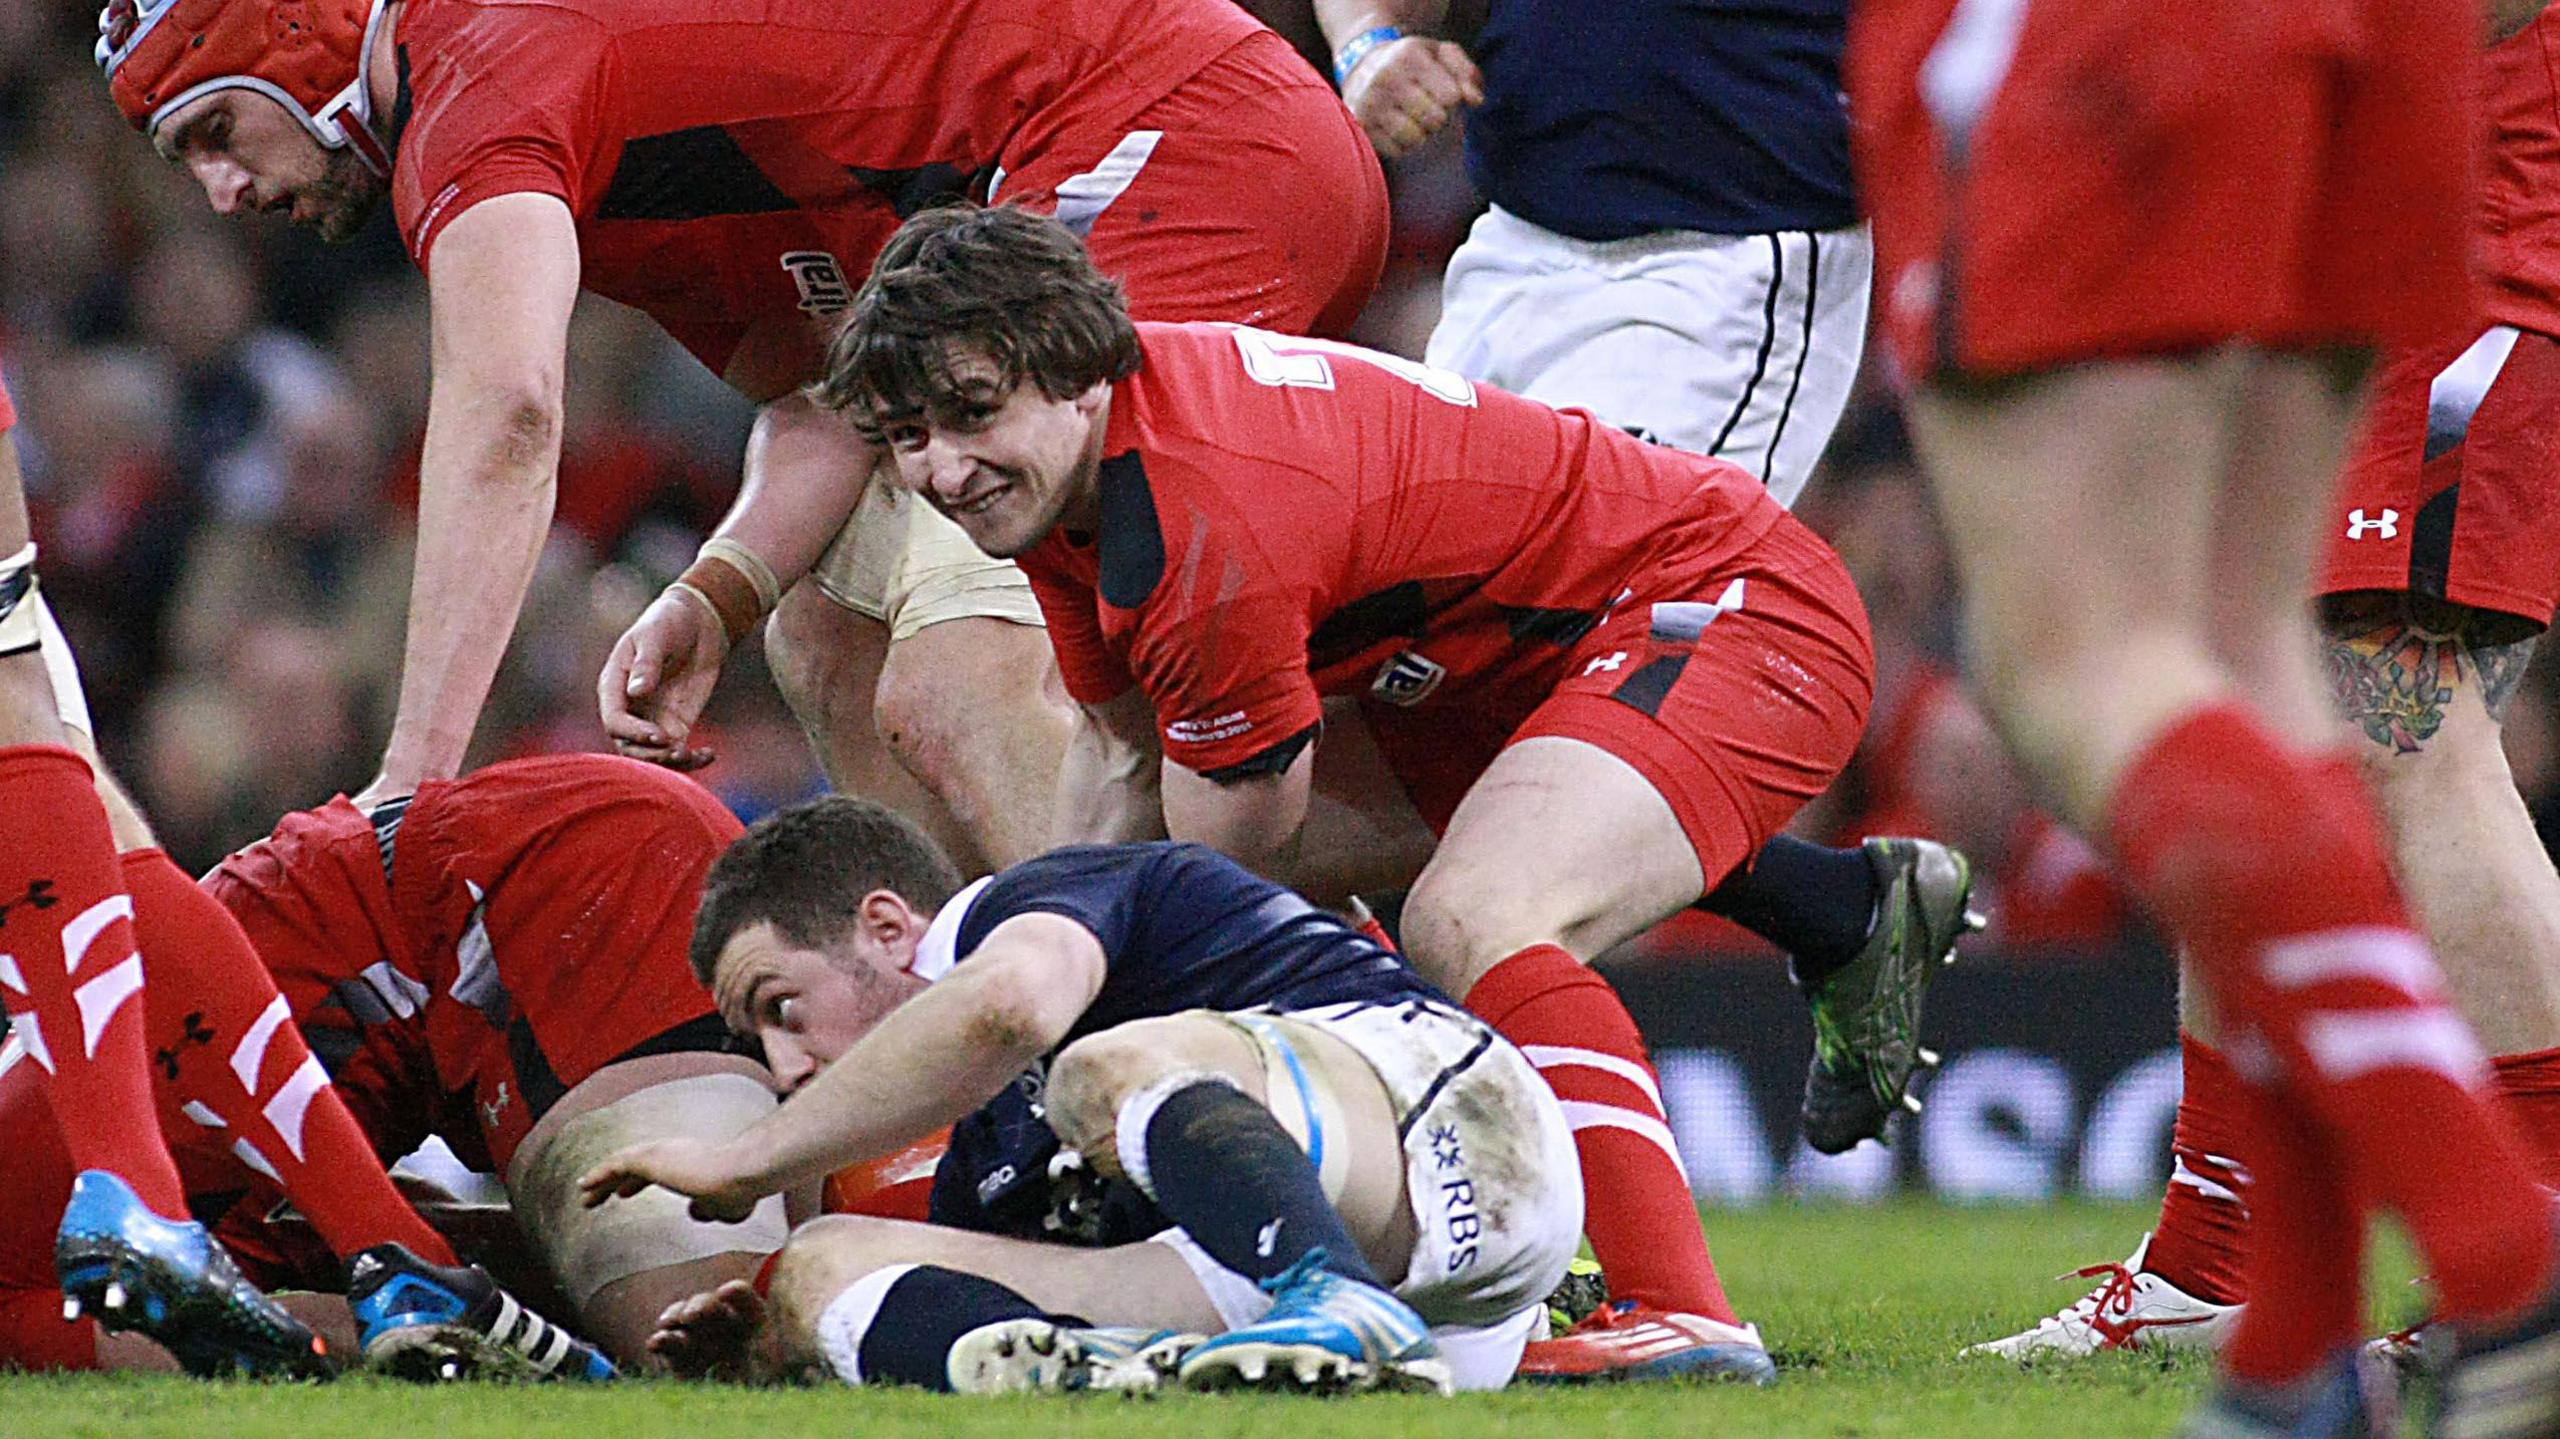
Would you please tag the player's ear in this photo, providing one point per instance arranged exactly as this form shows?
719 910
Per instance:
892 924
1091 402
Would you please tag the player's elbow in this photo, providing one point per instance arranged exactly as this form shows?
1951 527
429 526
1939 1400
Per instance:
523 429
1014 1017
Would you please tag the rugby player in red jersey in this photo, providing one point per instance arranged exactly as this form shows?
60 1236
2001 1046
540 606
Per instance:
731 168
2133 259
2438 581
502 961
499 962
1608 672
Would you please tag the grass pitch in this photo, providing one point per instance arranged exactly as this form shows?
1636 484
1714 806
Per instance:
1865 1308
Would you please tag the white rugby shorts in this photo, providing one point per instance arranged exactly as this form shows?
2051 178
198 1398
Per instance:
1490 1173
1738 346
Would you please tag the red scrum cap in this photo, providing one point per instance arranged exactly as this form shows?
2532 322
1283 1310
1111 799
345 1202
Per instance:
307 55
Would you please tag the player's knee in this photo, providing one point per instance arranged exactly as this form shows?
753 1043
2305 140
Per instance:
1092 1078
951 694
1460 922
825 1255
806 646
926 722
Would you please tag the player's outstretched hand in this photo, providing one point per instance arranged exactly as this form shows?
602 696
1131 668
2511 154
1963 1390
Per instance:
1403 92
711 1335
723 1188
658 678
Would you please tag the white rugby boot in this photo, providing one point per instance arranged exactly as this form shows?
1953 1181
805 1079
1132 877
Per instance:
2130 1309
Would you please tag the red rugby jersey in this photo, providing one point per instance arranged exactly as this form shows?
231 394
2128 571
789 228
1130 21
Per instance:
730 161
560 888
1286 518
2520 201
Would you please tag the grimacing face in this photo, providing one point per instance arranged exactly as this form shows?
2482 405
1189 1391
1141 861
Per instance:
249 153
1011 465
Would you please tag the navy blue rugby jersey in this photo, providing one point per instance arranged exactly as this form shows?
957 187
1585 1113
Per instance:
1181 927
1604 121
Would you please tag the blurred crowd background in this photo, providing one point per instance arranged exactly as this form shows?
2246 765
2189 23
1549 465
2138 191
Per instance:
220 425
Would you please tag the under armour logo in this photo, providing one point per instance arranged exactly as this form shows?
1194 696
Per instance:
1610 661
497 1105
195 1034
2388 525
1267 1238
39 895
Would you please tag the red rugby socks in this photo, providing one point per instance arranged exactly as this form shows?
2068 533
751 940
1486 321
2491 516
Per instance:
2307 1235
1637 1209
224 1040
2271 869
2201 1243
70 974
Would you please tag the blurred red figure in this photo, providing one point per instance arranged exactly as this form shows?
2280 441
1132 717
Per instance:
2134 280
2437 581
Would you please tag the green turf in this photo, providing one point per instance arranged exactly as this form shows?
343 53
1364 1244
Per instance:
1865 1307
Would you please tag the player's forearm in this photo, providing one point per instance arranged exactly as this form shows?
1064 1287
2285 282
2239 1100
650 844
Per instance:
932 1060
805 472
1108 785
484 508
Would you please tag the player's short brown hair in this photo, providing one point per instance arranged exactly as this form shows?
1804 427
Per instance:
804 870
1013 287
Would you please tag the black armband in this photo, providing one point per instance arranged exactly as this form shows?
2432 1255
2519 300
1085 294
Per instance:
1275 760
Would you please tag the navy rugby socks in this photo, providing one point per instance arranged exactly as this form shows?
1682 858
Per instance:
1218 1164
1816 903
925 1311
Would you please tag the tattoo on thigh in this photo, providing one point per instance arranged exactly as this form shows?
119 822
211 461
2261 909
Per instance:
2395 662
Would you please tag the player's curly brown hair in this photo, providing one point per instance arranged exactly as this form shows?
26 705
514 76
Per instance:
1003 283
804 870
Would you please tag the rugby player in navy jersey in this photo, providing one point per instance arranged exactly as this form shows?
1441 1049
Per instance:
1185 1103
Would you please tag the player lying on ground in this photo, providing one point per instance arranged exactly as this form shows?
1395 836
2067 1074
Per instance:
1608 671
1289 1141
499 963
671 154
97 1215
2438 579
2137 332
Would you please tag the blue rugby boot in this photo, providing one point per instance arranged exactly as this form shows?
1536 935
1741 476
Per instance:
170 1281
1325 1334
434 1323
2352 1397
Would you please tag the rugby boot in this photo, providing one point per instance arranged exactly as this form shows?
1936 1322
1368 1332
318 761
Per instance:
435 1323
2352 1397
2130 1309
1017 1355
171 1281
1582 1290
1325 1334
1866 1014
1625 1340
2501 1383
